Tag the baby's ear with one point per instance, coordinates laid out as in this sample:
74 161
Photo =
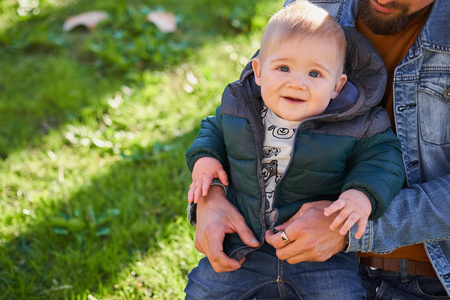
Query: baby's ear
339 85
256 65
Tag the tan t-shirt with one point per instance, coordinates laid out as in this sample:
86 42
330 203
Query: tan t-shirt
392 49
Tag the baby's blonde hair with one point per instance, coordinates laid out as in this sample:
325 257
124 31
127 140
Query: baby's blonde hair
301 19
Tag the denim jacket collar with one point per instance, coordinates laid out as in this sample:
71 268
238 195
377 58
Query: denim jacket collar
432 37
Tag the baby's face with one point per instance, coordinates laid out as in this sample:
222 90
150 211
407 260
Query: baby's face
299 76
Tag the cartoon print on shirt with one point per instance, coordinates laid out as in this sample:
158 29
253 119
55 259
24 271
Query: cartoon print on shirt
269 170
264 111
269 196
271 151
281 132
277 178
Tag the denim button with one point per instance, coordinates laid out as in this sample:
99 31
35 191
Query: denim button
447 94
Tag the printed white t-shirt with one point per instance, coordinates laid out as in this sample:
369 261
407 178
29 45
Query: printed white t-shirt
279 139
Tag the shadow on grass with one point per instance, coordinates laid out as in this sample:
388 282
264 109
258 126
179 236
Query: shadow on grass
43 85
41 93
150 196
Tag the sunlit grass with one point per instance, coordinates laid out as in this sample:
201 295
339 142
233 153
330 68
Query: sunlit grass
126 152
107 156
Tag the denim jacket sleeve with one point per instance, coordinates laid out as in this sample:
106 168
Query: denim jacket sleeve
402 225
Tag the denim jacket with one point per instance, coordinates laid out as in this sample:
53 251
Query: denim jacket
421 85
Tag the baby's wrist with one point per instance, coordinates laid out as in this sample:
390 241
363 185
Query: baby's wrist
217 182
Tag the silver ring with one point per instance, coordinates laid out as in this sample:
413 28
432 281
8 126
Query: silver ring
284 236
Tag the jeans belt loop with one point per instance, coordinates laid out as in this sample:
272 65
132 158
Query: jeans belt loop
403 264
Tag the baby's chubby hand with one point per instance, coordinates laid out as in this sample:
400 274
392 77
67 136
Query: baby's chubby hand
205 170
354 206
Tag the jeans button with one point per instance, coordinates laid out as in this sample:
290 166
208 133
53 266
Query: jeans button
447 94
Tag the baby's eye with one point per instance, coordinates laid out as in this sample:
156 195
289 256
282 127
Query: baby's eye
314 74
284 69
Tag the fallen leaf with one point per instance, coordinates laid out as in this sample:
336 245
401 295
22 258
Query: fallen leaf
165 22
88 19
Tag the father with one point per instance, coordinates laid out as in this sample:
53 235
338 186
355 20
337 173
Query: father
413 38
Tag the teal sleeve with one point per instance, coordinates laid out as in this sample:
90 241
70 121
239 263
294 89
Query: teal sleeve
376 168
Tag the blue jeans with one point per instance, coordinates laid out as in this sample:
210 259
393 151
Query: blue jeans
396 286
264 276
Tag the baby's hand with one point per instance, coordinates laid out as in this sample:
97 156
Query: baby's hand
354 207
205 169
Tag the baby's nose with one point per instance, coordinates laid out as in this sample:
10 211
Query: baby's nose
298 82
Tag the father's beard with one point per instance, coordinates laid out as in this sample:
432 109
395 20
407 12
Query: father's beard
386 24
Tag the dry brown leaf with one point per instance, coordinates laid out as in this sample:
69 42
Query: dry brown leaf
165 22
88 19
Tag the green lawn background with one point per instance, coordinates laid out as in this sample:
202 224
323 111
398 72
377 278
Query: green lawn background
94 125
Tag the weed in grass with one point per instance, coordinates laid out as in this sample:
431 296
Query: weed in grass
127 42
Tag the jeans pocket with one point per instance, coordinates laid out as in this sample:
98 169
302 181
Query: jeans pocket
430 288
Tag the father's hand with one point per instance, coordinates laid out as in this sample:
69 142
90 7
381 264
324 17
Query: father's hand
310 237
216 216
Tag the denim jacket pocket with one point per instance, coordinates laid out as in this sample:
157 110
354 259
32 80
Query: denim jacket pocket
434 108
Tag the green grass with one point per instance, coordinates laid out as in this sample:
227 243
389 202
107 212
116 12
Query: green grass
92 174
